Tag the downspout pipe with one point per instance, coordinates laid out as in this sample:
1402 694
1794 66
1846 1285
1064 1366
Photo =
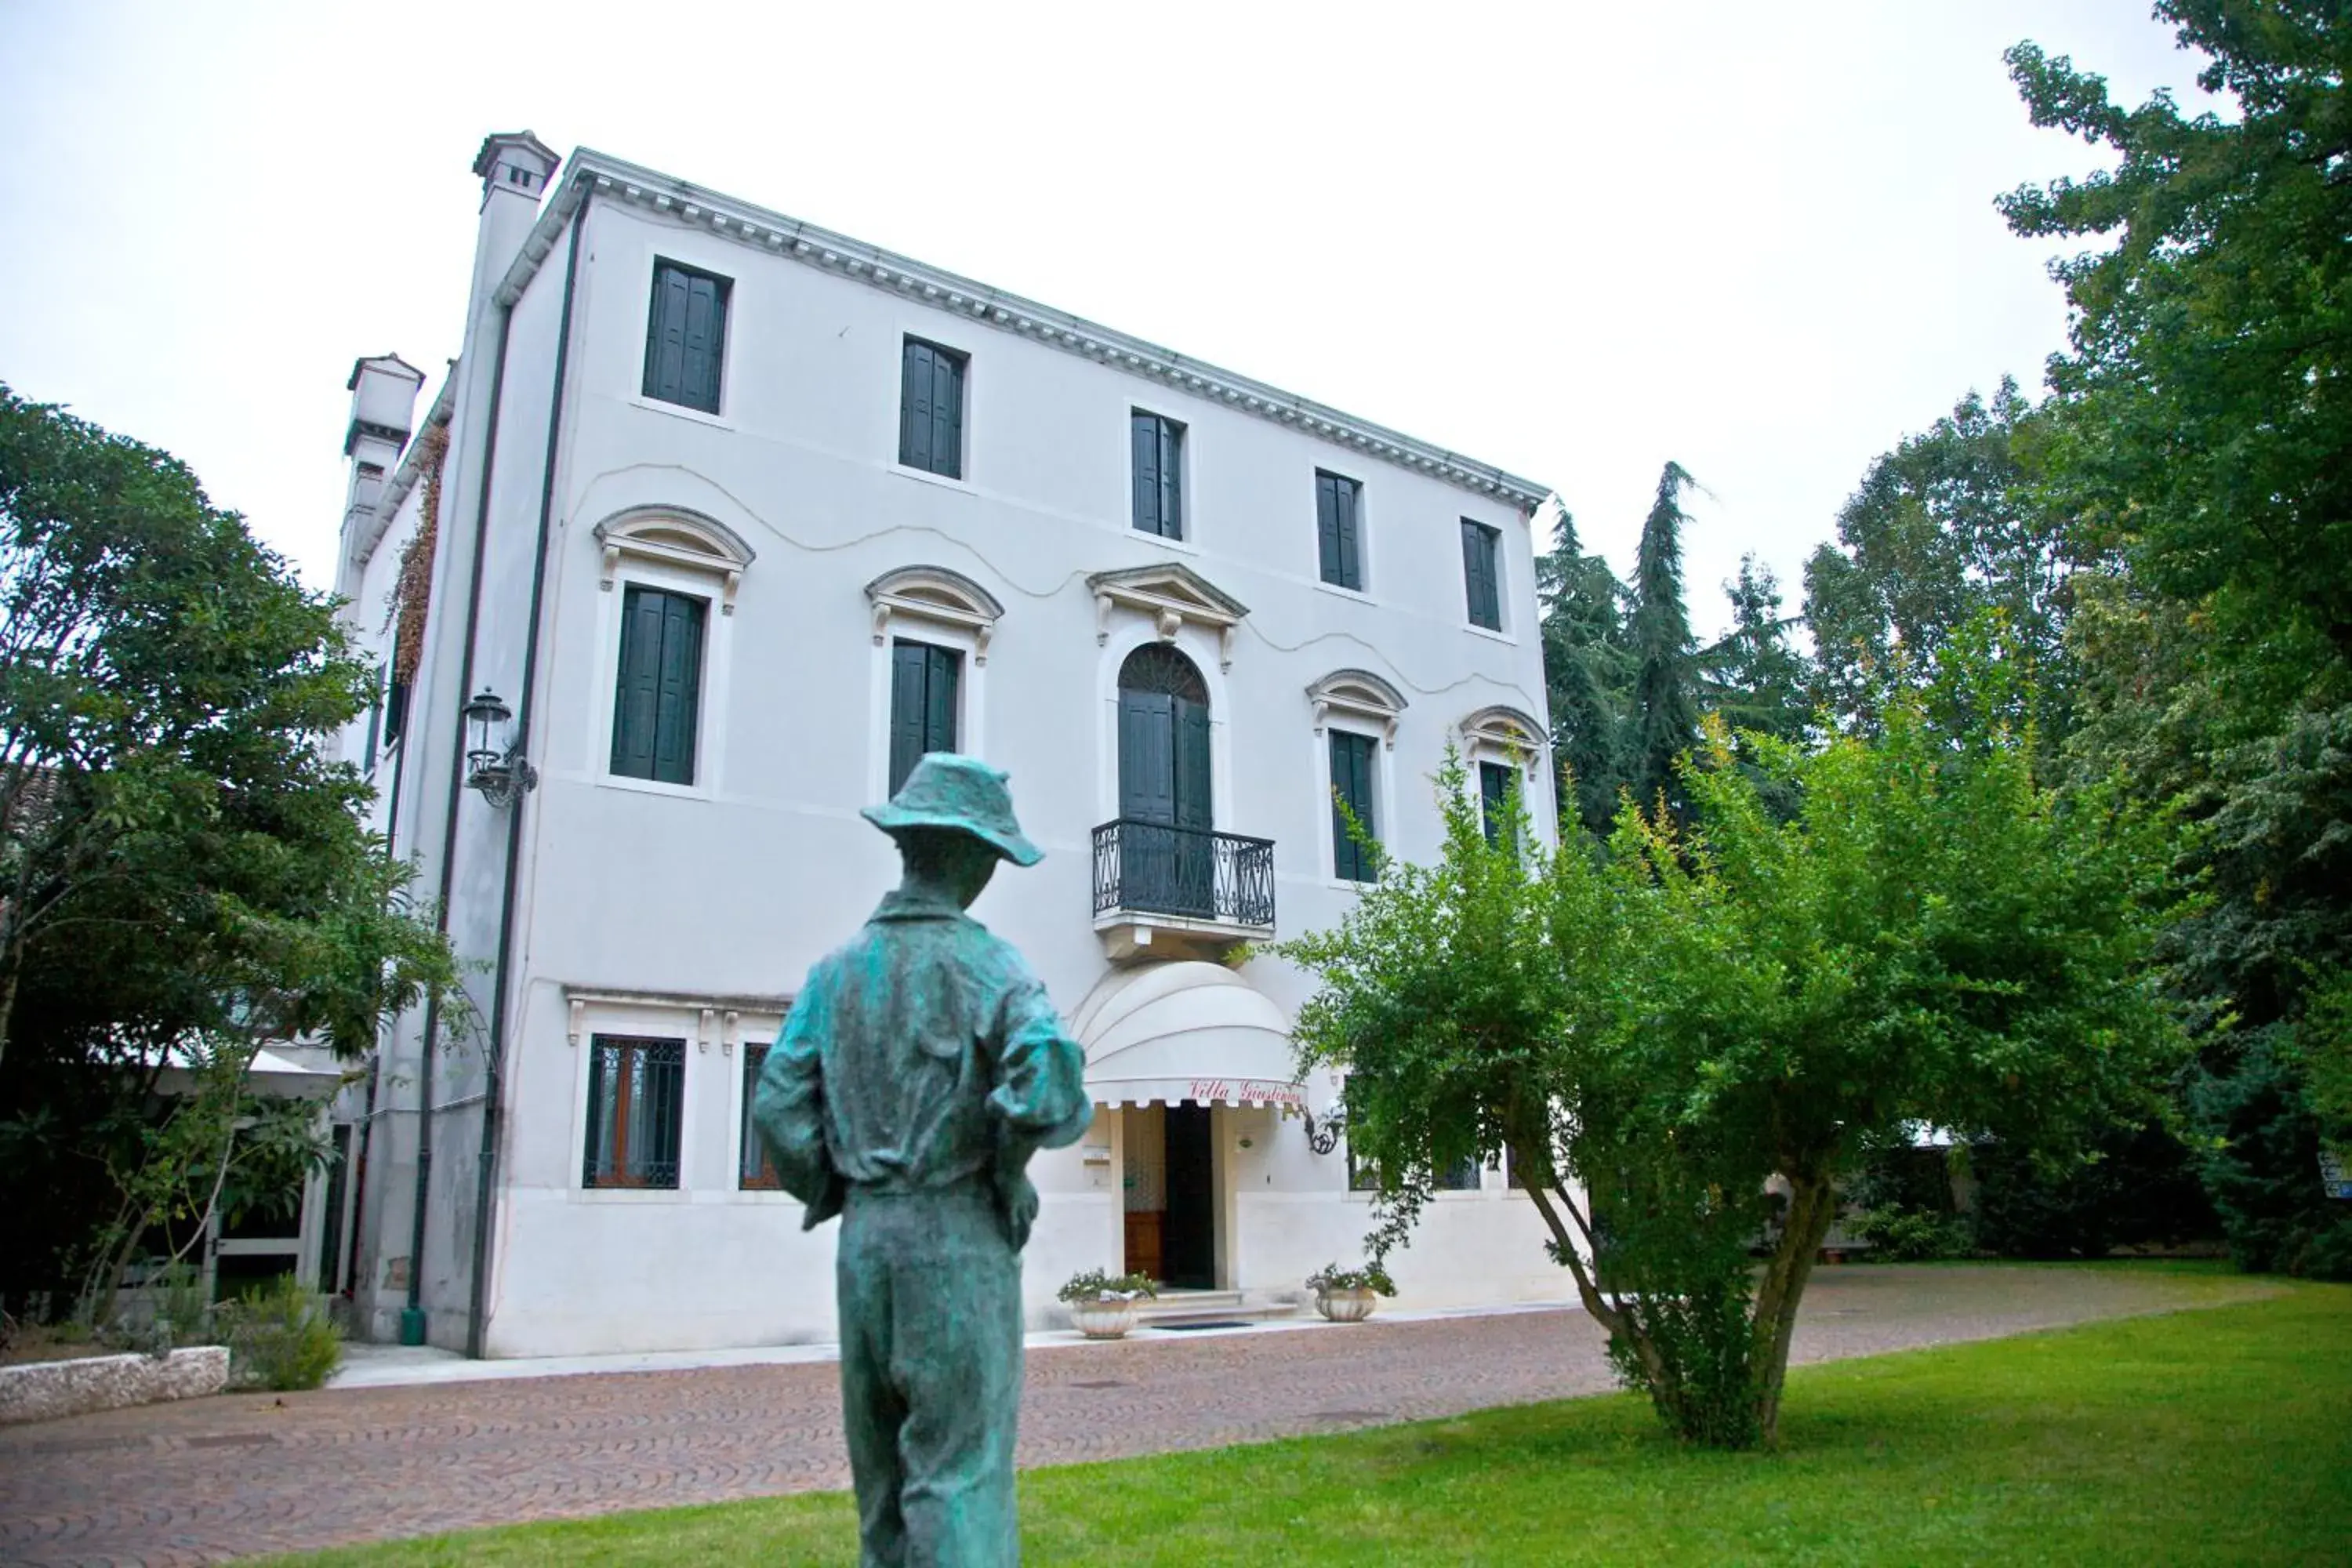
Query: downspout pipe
412 1318
494 1060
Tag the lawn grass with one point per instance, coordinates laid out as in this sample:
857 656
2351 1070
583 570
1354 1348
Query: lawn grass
2215 1435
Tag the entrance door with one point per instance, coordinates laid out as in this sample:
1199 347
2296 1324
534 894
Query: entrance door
1168 854
1188 1242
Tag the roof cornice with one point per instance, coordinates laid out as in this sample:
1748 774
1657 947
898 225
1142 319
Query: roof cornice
779 235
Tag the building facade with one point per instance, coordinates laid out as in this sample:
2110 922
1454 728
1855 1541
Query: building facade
717 521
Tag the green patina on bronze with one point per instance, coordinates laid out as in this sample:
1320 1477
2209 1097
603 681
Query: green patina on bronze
921 1066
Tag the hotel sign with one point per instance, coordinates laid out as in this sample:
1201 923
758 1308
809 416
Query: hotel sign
1248 1091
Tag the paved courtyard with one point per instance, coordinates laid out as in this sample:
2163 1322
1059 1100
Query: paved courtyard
211 1479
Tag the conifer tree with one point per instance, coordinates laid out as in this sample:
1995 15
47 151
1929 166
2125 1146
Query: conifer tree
1588 674
1664 712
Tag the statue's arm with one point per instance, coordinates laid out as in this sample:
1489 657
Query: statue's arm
788 1108
1041 1072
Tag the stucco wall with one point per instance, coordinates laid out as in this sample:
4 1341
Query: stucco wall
732 887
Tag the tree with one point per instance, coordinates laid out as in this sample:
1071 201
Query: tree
1753 677
183 867
2209 381
1656 1036
1588 671
1947 526
1664 709
2202 436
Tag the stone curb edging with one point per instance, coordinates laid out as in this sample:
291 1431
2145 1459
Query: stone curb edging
45 1390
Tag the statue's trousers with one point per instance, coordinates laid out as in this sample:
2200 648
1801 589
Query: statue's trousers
931 1375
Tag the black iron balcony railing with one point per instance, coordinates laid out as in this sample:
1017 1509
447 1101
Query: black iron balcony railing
1152 867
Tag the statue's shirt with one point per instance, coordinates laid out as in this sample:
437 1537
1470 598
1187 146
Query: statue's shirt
923 1053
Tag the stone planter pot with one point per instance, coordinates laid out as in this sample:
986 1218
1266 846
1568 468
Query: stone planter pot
1102 1319
1347 1306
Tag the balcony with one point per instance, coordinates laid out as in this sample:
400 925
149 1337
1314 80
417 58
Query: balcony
1162 891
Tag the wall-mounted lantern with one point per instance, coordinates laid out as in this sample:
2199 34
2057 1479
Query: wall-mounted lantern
494 765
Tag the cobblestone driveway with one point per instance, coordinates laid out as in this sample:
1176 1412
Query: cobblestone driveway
214 1479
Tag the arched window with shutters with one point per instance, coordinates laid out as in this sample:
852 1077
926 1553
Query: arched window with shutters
1165 803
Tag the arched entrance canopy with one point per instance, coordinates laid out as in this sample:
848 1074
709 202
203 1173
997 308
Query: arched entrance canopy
1175 1032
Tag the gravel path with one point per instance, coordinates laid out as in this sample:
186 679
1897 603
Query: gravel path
211 1479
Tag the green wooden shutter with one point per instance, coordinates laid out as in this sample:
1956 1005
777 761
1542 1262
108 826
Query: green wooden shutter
1147 756
942 673
1145 428
1326 526
946 414
1352 780
1193 805
1493 790
680 690
659 686
1171 479
1478 575
706 338
915 404
907 670
637 700
1349 495
924 683
665 335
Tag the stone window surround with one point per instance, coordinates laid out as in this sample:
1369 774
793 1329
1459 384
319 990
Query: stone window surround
711 1025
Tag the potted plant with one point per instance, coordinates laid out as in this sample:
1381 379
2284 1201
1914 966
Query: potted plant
1349 1295
1102 1306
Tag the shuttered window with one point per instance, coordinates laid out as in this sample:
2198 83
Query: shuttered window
686 336
1495 782
1351 783
1479 575
1337 505
930 408
754 1171
660 689
923 683
636 1110
1159 455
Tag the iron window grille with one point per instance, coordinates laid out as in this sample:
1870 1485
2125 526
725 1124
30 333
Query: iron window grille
636 1105
754 1172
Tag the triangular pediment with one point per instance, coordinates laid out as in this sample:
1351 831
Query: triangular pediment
1174 586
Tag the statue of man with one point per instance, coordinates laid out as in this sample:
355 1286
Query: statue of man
921 1066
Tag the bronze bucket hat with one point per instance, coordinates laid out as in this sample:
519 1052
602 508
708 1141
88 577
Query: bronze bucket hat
960 792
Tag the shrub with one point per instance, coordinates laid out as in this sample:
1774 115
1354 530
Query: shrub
280 1336
1371 1276
1914 1236
1094 1285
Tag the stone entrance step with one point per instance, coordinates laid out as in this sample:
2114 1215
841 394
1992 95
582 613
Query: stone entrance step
1178 1309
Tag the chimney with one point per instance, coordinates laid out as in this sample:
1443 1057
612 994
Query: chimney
383 408
514 167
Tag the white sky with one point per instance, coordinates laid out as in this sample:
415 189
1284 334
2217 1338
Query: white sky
1572 239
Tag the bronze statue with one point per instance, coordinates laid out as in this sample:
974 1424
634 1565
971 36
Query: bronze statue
921 1066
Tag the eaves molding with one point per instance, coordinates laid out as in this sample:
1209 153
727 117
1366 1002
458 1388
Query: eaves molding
762 229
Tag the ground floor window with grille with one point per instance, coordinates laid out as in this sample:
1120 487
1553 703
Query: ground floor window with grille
636 1105
1462 1176
754 1171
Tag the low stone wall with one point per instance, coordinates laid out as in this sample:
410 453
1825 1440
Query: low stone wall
44 1390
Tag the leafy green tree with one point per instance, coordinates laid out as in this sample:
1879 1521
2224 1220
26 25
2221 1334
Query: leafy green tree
182 869
1654 1035
2210 382
1665 709
1946 527
1588 670
2202 436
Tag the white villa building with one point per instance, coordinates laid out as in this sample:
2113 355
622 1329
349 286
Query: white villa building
735 517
